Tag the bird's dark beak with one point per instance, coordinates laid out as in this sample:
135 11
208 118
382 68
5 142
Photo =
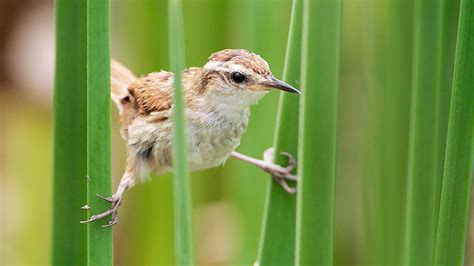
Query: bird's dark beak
278 84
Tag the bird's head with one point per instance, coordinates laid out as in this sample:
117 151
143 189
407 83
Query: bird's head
239 78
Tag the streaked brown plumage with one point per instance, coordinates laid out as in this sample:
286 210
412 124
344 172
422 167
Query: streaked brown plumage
217 98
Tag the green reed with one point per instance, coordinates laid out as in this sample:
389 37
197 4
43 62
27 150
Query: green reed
100 244
317 132
457 178
182 185
70 134
277 243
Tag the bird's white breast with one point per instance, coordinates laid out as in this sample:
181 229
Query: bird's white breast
211 137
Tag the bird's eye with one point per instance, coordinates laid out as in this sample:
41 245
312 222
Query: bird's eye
238 77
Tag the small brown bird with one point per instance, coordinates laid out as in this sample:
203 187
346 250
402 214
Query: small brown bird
217 98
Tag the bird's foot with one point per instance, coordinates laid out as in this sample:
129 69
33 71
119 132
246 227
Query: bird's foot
280 174
112 211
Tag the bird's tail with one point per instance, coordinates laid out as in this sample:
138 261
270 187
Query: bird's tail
121 78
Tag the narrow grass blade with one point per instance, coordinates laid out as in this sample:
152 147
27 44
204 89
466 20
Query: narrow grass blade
449 11
457 179
317 147
100 245
277 243
182 185
424 149
70 135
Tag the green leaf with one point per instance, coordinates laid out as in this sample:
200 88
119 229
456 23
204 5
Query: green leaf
100 244
70 134
277 243
423 175
182 185
457 178
317 132
449 13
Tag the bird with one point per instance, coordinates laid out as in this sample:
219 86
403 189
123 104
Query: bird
217 101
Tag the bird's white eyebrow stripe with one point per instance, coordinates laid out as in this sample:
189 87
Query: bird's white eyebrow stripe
212 65
225 66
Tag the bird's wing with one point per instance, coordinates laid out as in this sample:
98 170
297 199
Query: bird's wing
152 93
151 96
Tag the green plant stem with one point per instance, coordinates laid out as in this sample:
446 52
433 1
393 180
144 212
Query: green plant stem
182 185
424 132
100 244
277 243
69 245
317 147
457 179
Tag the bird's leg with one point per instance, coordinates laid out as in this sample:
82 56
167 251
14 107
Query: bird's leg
127 181
280 174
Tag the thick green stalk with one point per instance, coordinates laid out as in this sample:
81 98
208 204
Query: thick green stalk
317 147
100 244
70 135
277 243
423 155
457 179
182 185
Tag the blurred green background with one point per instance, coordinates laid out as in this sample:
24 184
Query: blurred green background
228 201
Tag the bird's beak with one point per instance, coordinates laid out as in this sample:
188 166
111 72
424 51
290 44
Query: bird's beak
278 84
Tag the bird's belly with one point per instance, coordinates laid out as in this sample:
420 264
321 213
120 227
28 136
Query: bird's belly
210 147
209 142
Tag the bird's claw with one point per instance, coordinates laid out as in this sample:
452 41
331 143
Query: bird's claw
112 211
282 182
291 161
108 199
279 173
112 222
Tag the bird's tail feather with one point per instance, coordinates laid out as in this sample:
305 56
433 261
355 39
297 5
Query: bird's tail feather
121 78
